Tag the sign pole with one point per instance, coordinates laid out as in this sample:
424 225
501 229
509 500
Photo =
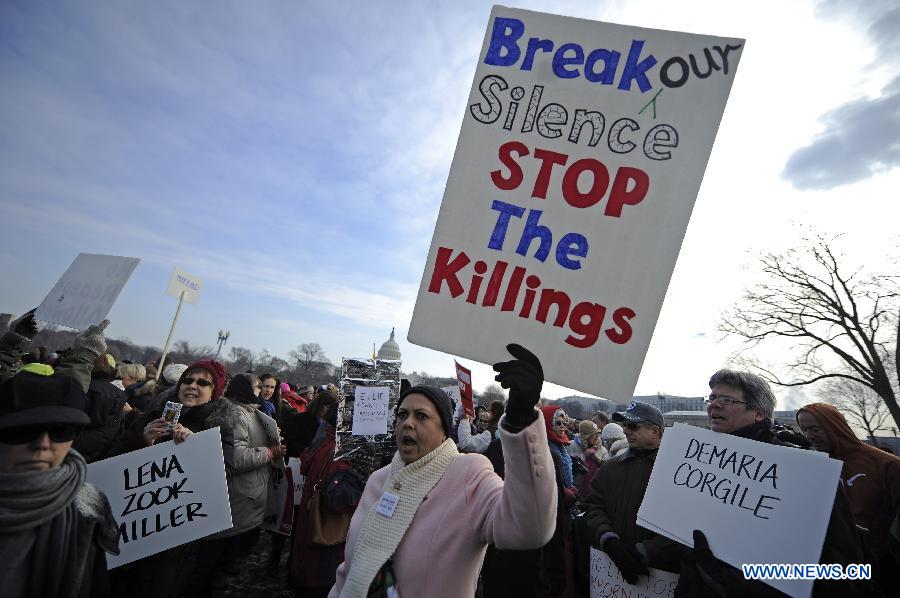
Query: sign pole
162 359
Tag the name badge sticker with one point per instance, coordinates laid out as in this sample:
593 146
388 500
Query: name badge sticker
387 504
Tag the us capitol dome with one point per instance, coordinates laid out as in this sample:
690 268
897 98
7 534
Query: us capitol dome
390 349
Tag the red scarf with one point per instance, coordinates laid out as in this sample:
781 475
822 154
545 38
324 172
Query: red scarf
552 436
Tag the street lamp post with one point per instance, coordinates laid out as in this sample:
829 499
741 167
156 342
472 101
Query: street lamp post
223 338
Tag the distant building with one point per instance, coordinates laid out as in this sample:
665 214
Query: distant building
666 403
390 349
890 442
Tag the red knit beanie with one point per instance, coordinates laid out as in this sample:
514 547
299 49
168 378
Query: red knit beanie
215 369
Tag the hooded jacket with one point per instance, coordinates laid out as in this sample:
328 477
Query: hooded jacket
871 477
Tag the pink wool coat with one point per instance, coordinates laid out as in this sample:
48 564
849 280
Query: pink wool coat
470 507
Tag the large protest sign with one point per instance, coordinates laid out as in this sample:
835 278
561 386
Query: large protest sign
741 494
87 290
165 495
580 155
182 282
607 581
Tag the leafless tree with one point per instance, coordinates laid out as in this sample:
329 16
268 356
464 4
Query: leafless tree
491 393
861 405
241 359
308 358
811 302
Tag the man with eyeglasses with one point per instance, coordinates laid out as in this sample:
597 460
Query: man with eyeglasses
742 404
616 493
54 528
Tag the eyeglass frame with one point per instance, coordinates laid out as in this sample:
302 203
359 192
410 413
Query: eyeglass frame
724 400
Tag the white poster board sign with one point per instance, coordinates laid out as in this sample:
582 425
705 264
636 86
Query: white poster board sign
87 290
282 520
165 495
607 581
580 155
741 493
298 479
189 284
454 394
370 410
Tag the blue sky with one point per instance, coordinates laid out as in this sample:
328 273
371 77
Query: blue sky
293 155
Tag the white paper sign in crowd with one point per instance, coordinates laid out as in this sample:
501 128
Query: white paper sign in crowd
182 282
165 495
580 155
741 494
370 410
87 290
607 581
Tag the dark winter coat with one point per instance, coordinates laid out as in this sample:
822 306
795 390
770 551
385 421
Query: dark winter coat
842 545
168 573
298 431
529 573
611 506
104 404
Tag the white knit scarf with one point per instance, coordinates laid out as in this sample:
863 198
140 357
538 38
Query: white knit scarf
380 535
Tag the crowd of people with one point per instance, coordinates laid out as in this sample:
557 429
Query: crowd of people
506 501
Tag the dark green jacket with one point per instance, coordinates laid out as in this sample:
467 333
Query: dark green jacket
612 503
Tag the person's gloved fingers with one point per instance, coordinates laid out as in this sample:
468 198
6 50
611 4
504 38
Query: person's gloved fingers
701 544
102 325
505 366
524 355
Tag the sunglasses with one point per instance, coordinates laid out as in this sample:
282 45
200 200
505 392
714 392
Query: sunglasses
57 433
632 426
200 382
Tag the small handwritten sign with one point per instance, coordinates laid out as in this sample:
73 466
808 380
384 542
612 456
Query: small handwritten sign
607 581
165 495
370 410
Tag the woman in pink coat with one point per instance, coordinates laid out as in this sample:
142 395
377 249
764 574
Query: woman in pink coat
425 520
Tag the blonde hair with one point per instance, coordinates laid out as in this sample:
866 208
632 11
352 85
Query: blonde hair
132 370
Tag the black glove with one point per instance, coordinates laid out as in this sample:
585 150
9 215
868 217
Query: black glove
721 578
627 559
25 325
524 377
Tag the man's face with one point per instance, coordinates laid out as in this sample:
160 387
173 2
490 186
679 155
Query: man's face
642 435
728 411
484 422
814 432
600 423
267 388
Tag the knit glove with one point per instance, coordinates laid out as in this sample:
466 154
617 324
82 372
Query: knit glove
91 339
25 325
524 377
627 559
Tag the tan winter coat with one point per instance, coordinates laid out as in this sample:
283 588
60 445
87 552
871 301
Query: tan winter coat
251 483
